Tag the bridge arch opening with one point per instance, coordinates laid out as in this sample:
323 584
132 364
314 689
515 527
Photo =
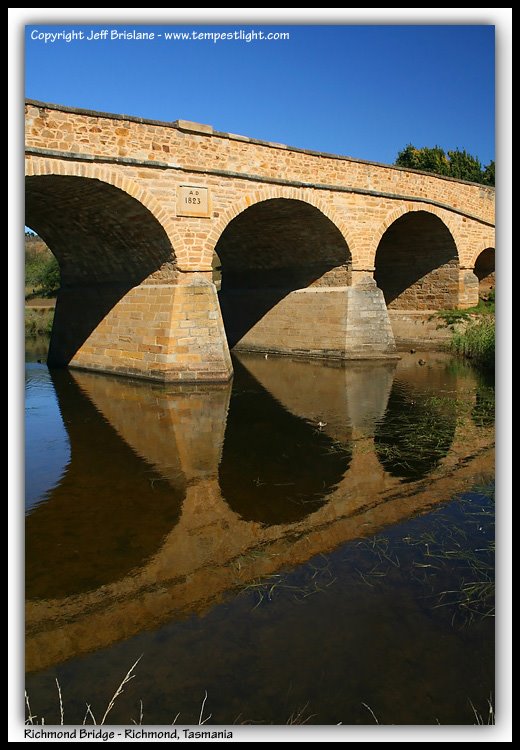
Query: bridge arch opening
485 271
268 253
417 263
106 243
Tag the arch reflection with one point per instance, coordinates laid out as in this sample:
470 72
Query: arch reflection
177 434
110 510
276 468
418 427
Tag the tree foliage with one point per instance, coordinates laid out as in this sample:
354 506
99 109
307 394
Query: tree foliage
42 271
50 278
457 163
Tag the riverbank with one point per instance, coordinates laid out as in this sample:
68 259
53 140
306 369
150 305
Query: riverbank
38 320
477 341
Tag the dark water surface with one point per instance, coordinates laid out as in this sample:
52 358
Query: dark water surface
302 544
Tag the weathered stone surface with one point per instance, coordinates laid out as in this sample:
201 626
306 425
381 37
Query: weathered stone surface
295 230
193 127
168 333
421 329
368 331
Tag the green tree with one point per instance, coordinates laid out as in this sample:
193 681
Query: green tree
457 163
426 159
463 166
50 278
489 174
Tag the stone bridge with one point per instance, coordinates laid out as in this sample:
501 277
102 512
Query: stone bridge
309 250
205 528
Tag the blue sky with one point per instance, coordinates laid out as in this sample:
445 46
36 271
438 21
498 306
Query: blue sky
363 91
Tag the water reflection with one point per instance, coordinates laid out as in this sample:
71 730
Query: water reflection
484 410
107 514
416 433
276 467
46 441
37 348
174 496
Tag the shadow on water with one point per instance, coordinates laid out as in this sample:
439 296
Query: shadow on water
276 467
253 554
108 512
415 434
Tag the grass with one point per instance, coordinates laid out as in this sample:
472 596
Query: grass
317 578
489 718
300 716
38 322
473 331
453 562
477 342
33 720
485 307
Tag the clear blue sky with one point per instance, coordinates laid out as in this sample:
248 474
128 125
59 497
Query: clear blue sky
363 91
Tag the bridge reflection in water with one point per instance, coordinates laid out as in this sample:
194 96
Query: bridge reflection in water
173 497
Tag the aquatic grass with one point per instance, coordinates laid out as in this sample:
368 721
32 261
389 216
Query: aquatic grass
416 434
455 573
448 551
317 579
477 342
299 716
266 587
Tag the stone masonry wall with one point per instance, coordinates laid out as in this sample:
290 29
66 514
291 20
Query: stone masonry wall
159 332
333 322
194 145
151 160
137 297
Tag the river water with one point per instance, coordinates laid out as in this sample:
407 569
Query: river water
311 543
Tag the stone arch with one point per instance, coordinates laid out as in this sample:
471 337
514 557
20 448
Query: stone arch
487 244
416 259
273 253
40 167
279 192
484 270
108 243
98 232
407 208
